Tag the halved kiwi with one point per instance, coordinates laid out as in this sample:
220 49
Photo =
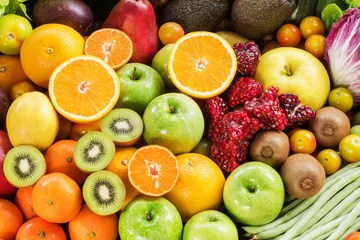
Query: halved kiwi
94 151
24 165
104 192
124 125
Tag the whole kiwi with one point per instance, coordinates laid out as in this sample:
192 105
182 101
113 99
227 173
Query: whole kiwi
271 147
329 126
303 175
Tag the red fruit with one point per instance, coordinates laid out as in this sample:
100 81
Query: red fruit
247 55
4 105
6 189
215 110
267 110
242 90
138 20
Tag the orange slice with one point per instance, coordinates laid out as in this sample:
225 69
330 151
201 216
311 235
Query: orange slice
153 170
83 89
111 45
202 64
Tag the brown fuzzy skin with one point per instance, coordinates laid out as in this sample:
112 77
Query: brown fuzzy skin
329 126
303 175
271 147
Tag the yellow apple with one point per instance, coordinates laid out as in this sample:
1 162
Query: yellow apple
295 71
232 37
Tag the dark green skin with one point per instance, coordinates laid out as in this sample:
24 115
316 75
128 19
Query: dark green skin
257 19
204 15
74 13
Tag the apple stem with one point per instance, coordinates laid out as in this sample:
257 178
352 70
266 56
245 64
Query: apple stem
287 69
172 109
212 219
148 217
134 74
252 189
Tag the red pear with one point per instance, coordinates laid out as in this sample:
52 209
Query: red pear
6 189
137 19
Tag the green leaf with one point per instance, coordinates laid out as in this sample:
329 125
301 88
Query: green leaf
13 6
22 11
330 15
2 11
21 1
4 3
353 3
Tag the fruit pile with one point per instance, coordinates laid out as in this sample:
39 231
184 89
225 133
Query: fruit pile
175 119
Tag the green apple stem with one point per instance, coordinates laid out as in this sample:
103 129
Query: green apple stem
252 189
212 219
134 74
287 69
148 216
172 109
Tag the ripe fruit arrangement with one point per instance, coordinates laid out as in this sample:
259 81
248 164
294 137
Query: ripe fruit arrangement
138 119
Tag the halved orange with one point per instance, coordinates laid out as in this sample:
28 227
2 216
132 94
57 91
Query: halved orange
153 170
84 88
111 45
202 64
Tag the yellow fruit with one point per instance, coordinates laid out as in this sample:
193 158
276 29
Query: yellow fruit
232 37
31 119
199 186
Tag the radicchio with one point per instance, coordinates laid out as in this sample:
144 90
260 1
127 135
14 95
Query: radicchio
342 52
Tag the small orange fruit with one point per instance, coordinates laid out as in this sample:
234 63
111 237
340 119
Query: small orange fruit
59 157
40 229
199 187
11 72
84 88
119 166
56 198
24 202
79 129
153 170
202 64
111 45
11 219
20 88
46 47
65 127
89 226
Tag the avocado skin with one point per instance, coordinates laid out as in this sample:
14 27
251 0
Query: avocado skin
194 15
73 13
256 19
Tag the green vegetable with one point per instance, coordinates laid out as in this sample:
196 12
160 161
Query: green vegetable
303 9
321 4
13 7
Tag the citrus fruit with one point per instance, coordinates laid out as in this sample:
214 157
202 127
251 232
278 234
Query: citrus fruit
56 198
111 45
14 29
40 229
119 166
65 127
79 129
199 187
89 226
24 202
59 157
11 219
32 120
46 47
20 88
84 88
153 170
11 72
170 32
202 64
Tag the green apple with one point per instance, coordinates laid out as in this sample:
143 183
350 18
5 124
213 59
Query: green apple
160 64
139 84
254 193
150 218
175 121
210 225
295 71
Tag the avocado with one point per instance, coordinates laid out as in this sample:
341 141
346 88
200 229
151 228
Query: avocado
202 15
73 13
255 19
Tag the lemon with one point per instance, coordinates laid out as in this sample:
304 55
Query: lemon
32 119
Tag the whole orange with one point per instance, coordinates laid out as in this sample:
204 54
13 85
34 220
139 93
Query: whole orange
11 72
199 186
11 219
46 47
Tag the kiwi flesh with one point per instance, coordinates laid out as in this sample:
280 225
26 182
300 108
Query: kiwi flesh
104 192
303 175
24 165
94 151
271 147
125 126
329 126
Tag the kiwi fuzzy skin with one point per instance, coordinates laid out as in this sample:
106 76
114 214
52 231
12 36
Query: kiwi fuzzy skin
330 126
303 175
